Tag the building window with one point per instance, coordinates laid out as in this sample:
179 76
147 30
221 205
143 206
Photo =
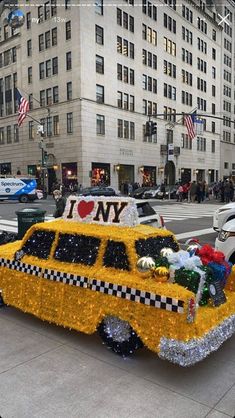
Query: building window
131 103
42 98
99 35
47 39
119 99
67 4
126 129
30 102
16 133
9 135
99 93
132 131
213 72
132 77
29 48
30 75
201 144
41 71
100 125
28 20
56 126
2 140
55 94
119 17
40 14
48 68
54 37
41 42
213 108
55 65
119 72
69 90
99 64
125 74
226 165
48 97
31 130
99 7
49 126
68 60
70 123
53 8
68 30
120 128
47 10
213 127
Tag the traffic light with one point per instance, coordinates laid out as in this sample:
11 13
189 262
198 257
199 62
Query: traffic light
153 128
45 156
150 128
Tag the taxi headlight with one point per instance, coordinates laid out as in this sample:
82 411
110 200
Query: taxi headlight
224 235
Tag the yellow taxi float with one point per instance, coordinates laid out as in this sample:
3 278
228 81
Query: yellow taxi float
95 269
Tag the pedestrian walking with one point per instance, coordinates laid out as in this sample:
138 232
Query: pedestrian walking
193 191
227 191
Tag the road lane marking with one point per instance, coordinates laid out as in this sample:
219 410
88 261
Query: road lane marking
192 234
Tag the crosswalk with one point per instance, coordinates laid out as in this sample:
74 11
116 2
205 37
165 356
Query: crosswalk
12 225
182 211
171 212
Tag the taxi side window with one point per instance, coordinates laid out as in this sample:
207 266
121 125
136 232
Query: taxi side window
151 247
39 244
115 256
73 248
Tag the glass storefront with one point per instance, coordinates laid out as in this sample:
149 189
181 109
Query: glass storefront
100 174
125 177
69 175
149 175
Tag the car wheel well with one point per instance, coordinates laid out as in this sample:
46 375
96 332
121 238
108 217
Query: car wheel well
230 218
232 258
119 336
23 198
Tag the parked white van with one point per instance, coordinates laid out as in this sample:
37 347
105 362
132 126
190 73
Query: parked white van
18 188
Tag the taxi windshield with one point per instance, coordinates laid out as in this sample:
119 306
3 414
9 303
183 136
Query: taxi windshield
151 247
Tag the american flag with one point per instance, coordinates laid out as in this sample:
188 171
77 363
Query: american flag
23 107
189 123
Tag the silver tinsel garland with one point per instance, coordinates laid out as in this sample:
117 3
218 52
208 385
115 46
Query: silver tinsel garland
188 353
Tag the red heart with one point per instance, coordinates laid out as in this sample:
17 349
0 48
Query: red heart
85 208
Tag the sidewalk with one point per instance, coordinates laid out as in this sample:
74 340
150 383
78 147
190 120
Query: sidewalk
51 372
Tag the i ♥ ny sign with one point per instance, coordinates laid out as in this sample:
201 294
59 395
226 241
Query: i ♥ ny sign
102 210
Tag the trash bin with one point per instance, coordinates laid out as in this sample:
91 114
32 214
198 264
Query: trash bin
28 217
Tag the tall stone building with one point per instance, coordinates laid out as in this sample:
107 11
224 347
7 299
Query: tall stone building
94 74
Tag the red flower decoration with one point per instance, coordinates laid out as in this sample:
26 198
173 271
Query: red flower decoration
208 254
218 257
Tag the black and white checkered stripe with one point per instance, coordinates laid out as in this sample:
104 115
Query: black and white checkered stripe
136 295
120 291
23 267
66 278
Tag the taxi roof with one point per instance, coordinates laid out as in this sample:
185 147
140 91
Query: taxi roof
117 232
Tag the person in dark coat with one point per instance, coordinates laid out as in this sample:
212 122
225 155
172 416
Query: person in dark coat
60 203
